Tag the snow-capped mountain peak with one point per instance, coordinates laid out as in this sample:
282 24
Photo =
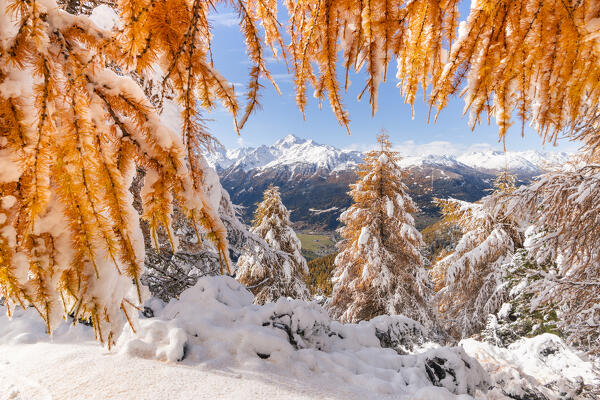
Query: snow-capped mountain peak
528 161
432 160
292 150
314 178
288 151
289 141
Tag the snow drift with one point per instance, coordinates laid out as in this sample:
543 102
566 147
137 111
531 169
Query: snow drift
214 327
387 356
298 340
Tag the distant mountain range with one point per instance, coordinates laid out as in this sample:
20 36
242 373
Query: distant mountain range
314 178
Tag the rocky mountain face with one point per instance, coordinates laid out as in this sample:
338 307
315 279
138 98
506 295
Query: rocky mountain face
314 178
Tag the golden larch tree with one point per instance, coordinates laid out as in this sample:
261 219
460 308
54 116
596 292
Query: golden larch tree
74 125
539 60
380 269
73 128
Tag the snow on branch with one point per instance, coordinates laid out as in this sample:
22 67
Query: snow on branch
564 208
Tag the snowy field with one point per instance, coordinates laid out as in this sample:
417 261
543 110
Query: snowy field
214 343
86 371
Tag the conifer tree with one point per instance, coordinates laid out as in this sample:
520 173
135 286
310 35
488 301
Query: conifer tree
379 269
268 277
470 278
73 124
564 208
320 270
516 318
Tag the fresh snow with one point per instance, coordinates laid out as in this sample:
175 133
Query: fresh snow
104 17
46 371
364 236
533 366
229 348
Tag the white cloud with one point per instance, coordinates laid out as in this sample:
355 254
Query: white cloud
438 148
282 77
358 147
224 19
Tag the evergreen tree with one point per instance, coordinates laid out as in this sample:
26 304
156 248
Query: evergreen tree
268 277
516 318
564 207
379 269
470 278
320 270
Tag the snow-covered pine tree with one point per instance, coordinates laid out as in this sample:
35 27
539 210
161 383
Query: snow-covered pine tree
268 277
564 206
379 269
516 318
470 278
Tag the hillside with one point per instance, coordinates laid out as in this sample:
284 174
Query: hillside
319 279
315 245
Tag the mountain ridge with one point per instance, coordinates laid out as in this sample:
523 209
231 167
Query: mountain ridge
291 150
314 178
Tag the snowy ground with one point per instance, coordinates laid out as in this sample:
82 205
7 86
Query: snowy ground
44 371
229 348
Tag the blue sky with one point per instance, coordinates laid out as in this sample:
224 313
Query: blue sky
279 115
